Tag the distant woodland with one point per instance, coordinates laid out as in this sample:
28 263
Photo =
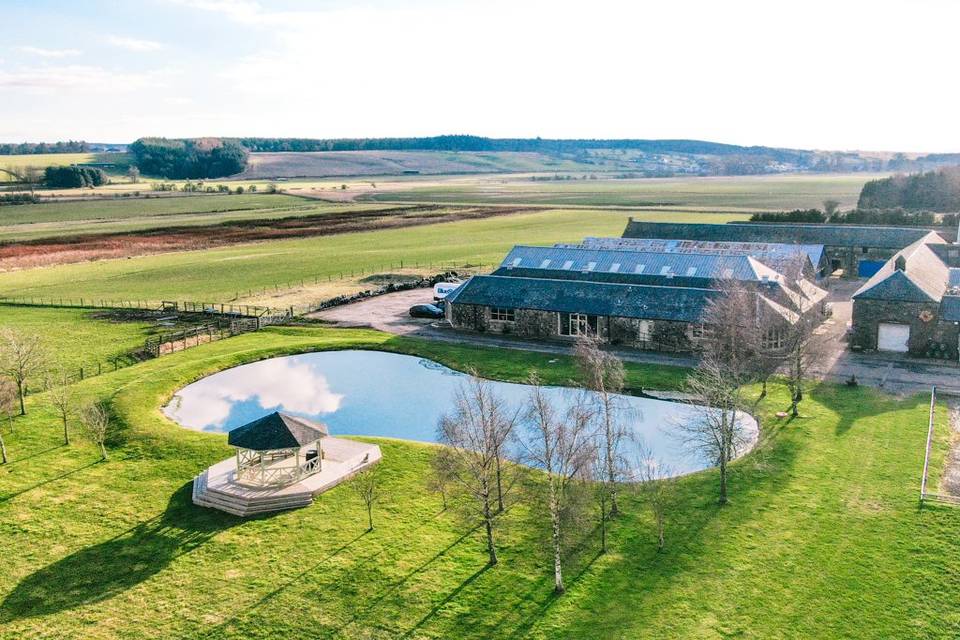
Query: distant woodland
32 148
188 159
937 191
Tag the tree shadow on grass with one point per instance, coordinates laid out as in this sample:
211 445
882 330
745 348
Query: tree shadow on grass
104 570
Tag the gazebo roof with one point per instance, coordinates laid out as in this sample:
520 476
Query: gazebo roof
277 431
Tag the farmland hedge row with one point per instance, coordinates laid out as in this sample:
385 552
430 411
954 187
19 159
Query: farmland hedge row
71 177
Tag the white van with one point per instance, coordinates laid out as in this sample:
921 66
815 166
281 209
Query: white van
442 289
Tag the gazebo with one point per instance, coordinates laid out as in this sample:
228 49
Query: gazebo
277 450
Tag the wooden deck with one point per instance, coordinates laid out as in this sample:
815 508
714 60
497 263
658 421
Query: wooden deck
216 487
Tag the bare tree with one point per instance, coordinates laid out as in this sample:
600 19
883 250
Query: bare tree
803 347
601 490
21 357
716 431
8 403
95 419
62 398
365 484
604 376
476 433
658 484
439 481
562 445
830 207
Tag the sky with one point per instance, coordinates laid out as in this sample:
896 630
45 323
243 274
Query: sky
812 74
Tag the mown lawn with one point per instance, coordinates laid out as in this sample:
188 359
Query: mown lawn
77 337
221 274
823 538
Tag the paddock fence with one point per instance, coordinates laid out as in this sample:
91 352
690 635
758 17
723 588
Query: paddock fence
926 495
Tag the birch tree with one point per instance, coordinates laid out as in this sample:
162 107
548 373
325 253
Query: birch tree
476 434
21 358
715 431
8 403
62 399
365 484
603 375
802 348
95 420
562 444
657 484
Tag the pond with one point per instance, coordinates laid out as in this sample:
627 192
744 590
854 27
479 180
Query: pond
374 393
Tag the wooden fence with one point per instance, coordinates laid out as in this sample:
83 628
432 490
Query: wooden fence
217 308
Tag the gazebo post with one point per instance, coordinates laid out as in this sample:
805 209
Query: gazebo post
238 463
319 455
297 475
262 471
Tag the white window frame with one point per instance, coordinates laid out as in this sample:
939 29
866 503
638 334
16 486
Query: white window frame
773 339
503 314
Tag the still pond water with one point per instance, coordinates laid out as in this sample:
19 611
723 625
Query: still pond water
373 393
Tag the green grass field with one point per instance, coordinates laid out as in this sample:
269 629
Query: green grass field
59 219
746 193
76 337
823 537
218 274
44 160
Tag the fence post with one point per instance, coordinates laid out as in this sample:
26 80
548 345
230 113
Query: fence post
926 456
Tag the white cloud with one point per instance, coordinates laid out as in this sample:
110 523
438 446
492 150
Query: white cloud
134 44
239 10
49 53
78 77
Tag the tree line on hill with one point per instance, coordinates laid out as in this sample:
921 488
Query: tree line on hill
937 191
33 148
190 158
924 199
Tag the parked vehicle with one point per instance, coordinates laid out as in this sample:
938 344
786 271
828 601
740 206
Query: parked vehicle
430 311
442 289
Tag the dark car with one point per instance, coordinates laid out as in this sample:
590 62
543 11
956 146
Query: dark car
426 311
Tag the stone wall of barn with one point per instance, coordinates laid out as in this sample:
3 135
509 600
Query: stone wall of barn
929 337
545 325
848 258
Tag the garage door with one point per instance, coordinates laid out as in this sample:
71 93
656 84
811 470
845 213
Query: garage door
893 337
866 268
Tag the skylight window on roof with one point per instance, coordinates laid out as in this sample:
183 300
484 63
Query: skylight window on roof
567 264
516 262
615 267
728 273
665 270
691 271
640 268
545 263
591 266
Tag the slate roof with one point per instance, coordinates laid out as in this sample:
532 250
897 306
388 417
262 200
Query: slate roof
638 262
595 298
831 235
950 308
773 254
277 431
924 278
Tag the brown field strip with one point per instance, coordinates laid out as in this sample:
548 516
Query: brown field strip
63 250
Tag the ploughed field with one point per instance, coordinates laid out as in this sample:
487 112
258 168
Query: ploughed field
305 222
823 537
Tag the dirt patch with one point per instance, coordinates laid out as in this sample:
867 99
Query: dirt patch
55 251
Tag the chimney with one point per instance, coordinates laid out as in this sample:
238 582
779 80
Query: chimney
900 264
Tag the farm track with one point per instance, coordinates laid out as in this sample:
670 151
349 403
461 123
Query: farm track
69 249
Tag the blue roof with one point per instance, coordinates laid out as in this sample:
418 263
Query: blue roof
689 265
594 298
771 253
950 308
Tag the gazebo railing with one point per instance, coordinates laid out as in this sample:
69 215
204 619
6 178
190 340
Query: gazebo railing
262 469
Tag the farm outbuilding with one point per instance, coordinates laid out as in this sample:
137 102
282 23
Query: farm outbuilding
642 299
855 250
